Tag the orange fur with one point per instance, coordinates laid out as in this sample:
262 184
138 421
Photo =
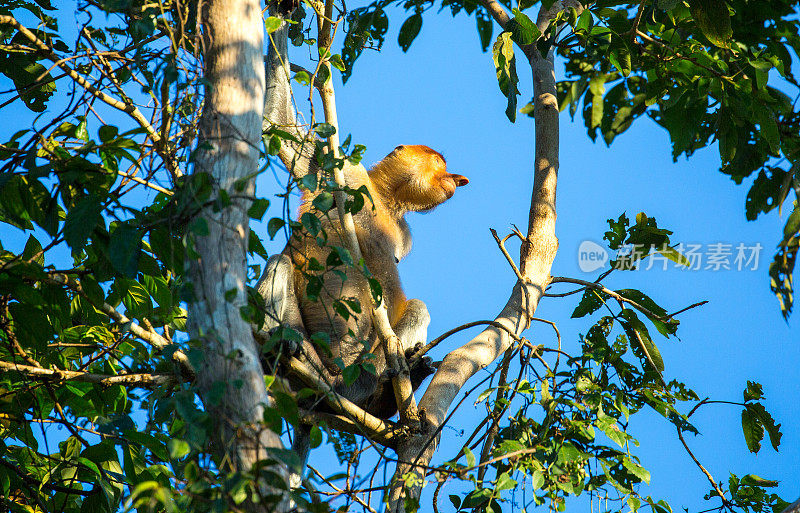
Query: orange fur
411 178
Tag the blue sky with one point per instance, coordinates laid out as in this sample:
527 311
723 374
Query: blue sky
443 93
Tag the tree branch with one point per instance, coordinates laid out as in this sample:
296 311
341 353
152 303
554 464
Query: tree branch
279 113
130 380
496 10
374 428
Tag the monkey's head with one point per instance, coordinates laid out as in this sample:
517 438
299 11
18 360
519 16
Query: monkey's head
415 178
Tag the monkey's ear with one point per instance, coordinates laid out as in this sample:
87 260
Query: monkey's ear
399 148
459 180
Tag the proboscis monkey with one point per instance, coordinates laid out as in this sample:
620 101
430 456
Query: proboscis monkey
412 178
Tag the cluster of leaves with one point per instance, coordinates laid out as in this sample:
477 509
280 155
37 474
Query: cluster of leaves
569 434
707 72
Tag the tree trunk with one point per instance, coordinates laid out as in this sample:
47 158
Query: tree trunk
230 378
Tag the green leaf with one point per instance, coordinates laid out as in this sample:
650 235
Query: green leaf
302 77
177 448
635 327
485 27
315 437
753 391
714 20
409 31
455 500
137 300
470 457
376 290
81 221
504 482
621 59
506 70
274 225
311 223
323 201
590 302
768 126
33 248
273 144
258 208
149 442
337 62
792 226
26 73
756 419
537 480
642 299
324 130
752 429
523 30
107 132
636 470
351 374
754 480
272 24
676 256
124 249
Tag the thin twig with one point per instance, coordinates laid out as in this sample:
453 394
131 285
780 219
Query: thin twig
714 484
635 28
615 295
353 495
501 245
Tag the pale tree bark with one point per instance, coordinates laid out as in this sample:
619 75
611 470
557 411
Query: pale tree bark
793 507
230 377
536 259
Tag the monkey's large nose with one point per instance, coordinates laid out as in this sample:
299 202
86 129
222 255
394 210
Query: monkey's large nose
459 180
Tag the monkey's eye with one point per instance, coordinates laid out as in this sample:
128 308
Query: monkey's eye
396 259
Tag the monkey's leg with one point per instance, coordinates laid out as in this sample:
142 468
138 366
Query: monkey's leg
282 308
412 328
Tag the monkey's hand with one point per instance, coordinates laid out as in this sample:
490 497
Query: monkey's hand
421 368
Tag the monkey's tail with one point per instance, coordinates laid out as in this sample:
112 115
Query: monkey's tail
301 445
